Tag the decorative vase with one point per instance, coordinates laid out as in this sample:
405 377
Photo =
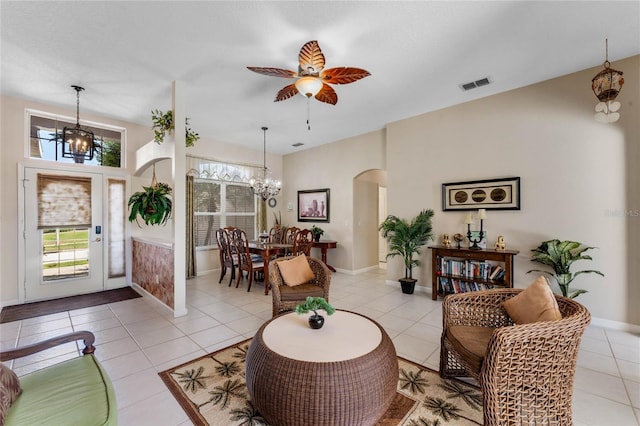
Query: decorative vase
316 237
316 321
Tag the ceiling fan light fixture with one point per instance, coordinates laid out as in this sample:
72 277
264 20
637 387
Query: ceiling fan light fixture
308 86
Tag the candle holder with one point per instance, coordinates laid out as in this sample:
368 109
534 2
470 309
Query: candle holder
482 214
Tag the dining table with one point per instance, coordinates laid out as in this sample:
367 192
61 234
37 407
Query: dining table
268 251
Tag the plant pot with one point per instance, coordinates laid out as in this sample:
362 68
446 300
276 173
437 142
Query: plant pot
316 237
408 285
316 321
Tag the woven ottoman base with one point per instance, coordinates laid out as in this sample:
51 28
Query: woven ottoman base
352 392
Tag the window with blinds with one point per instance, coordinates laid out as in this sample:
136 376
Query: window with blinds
64 202
116 227
221 204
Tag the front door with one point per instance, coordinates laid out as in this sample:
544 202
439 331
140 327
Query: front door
63 233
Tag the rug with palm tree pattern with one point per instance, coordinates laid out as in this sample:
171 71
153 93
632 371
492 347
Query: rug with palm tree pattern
212 391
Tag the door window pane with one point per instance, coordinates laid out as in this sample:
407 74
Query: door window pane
65 253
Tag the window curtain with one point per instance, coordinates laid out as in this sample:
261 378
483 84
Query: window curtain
191 269
64 201
262 215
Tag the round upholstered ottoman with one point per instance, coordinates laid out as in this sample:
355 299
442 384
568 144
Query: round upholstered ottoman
345 373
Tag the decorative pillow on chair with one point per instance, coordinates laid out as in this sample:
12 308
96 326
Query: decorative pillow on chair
536 303
9 390
296 271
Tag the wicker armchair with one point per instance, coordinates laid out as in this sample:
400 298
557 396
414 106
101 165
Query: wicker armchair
286 298
526 373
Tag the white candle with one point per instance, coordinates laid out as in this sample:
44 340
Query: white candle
482 214
468 220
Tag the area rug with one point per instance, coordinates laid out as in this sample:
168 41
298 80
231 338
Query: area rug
46 307
212 391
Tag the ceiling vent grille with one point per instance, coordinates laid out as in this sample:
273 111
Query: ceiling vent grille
475 84
297 144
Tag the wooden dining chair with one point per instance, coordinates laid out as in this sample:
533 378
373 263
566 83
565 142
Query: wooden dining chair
289 236
303 242
277 234
227 259
245 261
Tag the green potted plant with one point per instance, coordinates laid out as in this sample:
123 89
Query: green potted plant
152 204
560 255
163 123
314 304
405 239
317 232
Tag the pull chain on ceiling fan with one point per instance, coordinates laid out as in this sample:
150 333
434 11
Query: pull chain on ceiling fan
312 78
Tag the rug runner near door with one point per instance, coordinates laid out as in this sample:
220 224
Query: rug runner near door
212 391
46 307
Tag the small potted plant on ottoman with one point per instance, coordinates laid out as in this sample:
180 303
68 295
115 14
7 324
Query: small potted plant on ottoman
314 304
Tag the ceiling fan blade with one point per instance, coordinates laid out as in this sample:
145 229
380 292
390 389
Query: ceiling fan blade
274 72
343 75
327 95
311 59
286 93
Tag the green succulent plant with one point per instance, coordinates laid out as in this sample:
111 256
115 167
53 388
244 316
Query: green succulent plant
560 255
314 304
163 122
152 205
405 238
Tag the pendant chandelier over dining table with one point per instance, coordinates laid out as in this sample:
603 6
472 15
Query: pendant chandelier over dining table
262 183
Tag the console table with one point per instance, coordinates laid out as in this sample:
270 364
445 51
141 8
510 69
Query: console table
323 245
345 373
503 257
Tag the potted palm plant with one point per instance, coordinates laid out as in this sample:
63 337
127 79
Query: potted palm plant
314 304
560 255
405 239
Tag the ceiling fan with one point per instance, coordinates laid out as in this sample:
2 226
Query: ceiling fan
312 78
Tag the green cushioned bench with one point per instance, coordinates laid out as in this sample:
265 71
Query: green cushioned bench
74 392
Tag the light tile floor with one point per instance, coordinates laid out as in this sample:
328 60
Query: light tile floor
136 339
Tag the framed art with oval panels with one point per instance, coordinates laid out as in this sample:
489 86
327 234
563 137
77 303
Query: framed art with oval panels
494 194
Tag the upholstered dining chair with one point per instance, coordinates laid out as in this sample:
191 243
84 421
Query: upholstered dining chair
525 369
302 242
245 261
227 259
293 278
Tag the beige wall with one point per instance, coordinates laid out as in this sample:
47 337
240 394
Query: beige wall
333 166
578 176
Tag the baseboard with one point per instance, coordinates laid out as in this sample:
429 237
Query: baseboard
615 325
152 298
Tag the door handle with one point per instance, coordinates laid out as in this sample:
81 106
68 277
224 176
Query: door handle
97 240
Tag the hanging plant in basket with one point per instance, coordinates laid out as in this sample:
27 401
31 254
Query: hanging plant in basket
163 123
153 204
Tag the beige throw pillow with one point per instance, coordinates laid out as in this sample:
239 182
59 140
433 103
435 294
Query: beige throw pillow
536 303
296 271
9 390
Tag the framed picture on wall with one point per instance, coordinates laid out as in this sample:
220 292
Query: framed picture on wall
313 205
494 194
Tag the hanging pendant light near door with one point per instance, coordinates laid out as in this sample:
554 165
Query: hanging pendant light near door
606 85
77 143
262 183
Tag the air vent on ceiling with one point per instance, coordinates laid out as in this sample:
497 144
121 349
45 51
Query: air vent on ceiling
297 144
474 84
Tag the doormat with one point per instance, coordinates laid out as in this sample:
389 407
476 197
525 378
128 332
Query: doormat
211 389
46 307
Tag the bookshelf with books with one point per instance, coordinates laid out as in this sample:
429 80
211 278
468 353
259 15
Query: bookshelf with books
462 270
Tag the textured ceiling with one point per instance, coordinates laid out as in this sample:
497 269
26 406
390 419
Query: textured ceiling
126 54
